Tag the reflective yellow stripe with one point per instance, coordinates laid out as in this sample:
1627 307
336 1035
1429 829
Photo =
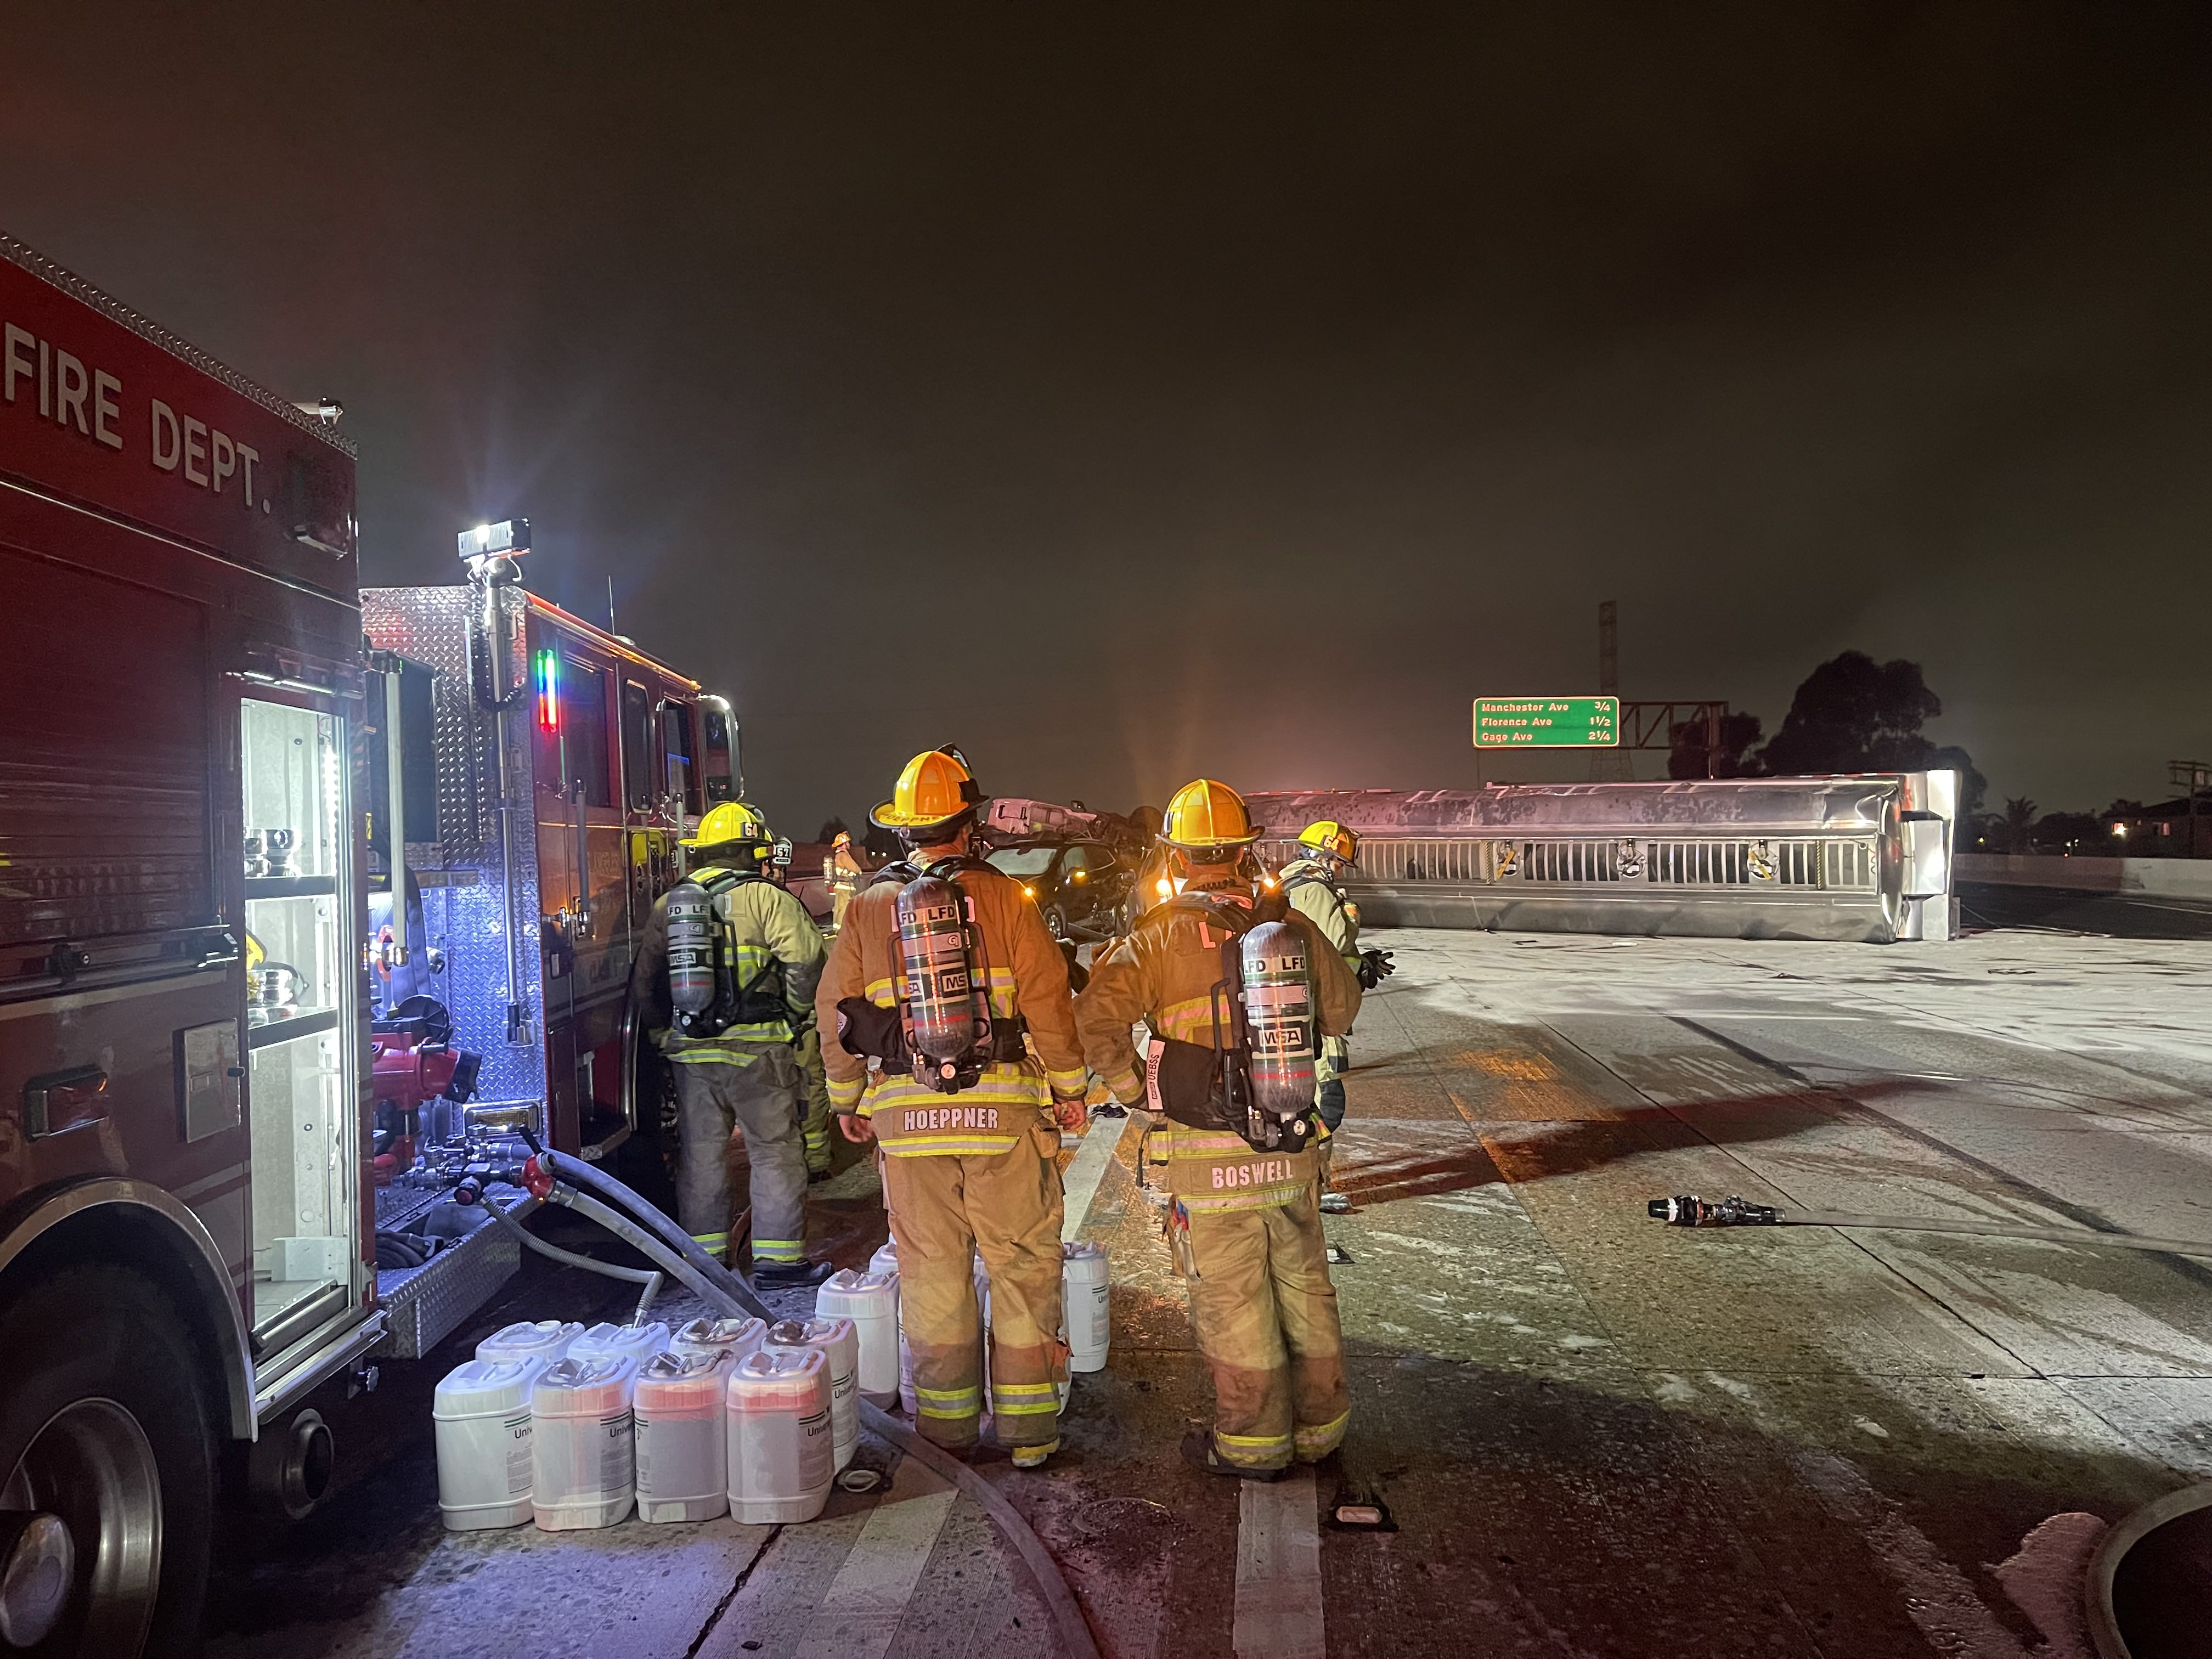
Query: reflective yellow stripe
711 1056
1124 1085
1006 1408
710 1239
1191 1020
929 1147
1321 1441
1204 1143
1024 1398
845 1095
1010 1390
1260 1198
1069 1082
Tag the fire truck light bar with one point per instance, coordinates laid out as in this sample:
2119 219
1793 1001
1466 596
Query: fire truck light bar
549 692
508 536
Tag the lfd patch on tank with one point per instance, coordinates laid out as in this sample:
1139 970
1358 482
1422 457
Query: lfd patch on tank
1263 1172
949 1117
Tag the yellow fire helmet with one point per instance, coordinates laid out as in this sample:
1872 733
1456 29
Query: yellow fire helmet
1330 837
735 821
935 792
1206 814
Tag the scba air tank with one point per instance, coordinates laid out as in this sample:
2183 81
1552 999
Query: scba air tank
940 980
691 956
1278 1009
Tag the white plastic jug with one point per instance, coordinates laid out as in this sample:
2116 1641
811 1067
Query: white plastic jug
582 1461
546 1339
840 1349
482 1414
683 1436
1085 1299
886 1260
638 1342
870 1300
734 1337
782 1442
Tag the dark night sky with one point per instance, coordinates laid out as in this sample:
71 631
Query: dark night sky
1128 393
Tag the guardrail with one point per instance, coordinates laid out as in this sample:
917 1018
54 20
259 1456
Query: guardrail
1861 858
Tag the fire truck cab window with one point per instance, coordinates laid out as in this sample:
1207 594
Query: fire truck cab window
717 769
676 746
638 766
584 730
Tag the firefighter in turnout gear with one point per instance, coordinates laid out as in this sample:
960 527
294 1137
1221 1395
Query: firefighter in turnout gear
730 963
1243 1218
951 1043
843 872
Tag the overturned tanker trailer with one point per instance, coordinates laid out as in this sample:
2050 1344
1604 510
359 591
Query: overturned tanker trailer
1861 858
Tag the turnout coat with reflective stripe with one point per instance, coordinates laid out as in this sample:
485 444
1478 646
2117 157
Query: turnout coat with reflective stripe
1165 973
1027 977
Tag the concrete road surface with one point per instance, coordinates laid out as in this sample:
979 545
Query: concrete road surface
1593 1435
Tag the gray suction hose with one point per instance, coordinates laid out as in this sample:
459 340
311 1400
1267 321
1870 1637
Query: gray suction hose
648 1276
730 1295
577 1172
1075 1638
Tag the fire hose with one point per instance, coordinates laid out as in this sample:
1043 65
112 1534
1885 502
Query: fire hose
1690 1210
549 1176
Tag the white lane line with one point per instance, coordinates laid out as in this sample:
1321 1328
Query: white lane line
1086 1169
861 1611
1278 1612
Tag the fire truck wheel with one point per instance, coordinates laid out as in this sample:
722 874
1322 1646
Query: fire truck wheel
105 1430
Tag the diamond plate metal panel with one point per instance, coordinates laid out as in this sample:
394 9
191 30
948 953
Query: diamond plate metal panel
470 924
424 1306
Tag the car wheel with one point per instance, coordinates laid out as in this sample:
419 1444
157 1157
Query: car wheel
108 1470
1055 922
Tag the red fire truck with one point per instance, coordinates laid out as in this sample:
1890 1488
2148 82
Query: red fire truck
231 1090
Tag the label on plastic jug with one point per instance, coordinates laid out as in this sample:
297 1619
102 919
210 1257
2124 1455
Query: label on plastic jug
617 1452
818 1451
517 1455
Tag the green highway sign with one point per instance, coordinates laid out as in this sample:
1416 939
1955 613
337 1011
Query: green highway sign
1547 722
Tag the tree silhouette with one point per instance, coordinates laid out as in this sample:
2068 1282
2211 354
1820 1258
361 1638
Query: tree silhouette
1855 714
2018 824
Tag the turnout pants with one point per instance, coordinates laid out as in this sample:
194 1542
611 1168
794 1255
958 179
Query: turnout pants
758 1087
816 1123
1007 1207
1266 1315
